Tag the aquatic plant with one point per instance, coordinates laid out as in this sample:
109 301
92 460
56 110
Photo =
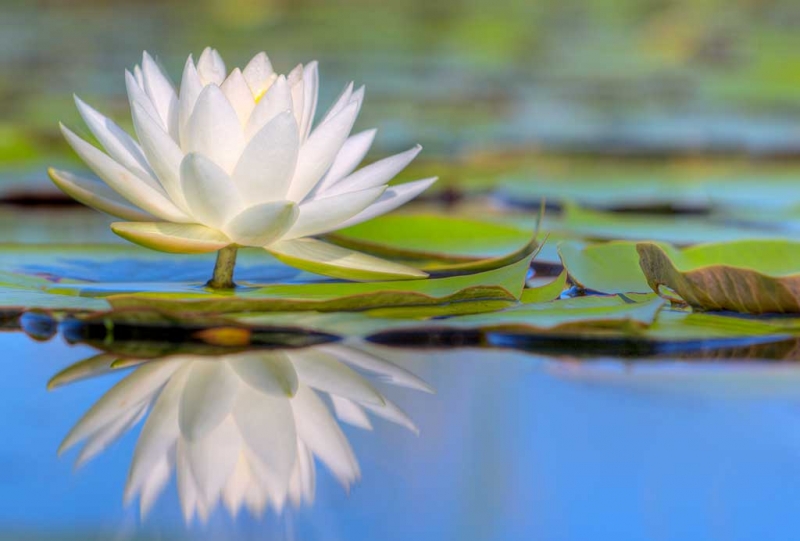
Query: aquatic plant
232 160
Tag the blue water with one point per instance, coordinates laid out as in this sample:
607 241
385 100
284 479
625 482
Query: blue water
511 446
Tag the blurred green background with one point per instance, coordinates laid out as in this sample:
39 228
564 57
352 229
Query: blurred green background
474 81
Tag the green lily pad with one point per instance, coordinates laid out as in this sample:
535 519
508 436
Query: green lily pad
434 237
504 284
611 267
745 276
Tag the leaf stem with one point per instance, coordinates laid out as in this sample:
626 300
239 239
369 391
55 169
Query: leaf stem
223 269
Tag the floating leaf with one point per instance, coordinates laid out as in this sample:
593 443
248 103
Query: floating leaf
745 276
611 267
434 237
546 292
330 260
504 284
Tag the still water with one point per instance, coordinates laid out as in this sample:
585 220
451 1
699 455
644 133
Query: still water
386 443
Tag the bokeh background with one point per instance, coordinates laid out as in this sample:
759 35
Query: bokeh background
472 80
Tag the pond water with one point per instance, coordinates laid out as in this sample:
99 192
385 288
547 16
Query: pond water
493 444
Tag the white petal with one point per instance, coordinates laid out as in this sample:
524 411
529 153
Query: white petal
97 194
214 129
277 100
267 427
172 238
261 224
119 145
317 153
162 152
375 174
266 371
210 67
310 95
140 386
191 86
341 102
392 198
133 188
162 94
330 260
139 76
358 96
209 191
325 214
351 413
352 153
238 93
213 458
325 373
259 74
159 433
207 398
295 81
265 170
320 432
137 93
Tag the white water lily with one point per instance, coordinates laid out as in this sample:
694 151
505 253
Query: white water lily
234 159
243 429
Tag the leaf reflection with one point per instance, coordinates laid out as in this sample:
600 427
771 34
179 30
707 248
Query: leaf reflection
243 430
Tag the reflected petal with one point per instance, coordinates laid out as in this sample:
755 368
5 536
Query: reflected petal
320 432
212 460
325 373
269 372
351 413
207 398
268 429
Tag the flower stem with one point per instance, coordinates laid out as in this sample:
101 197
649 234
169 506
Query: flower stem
223 269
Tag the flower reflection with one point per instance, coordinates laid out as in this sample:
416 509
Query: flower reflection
242 429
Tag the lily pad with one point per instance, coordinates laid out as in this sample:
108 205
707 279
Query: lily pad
504 284
611 267
745 276
433 237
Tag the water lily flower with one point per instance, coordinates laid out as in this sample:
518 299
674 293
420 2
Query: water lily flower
234 159
242 429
